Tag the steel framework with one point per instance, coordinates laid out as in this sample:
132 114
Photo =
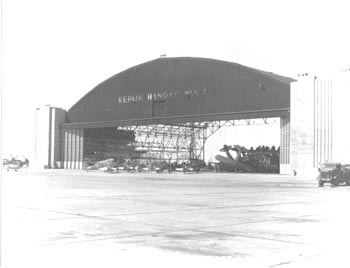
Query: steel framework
180 142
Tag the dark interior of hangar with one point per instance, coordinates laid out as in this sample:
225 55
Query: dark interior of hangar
171 143
103 143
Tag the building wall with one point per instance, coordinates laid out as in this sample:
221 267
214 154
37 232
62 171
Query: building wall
58 116
319 114
323 121
48 137
302 124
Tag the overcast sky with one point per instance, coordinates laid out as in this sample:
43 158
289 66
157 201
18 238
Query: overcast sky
54 52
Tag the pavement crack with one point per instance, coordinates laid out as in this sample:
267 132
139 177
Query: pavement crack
297 260
77 215
209 208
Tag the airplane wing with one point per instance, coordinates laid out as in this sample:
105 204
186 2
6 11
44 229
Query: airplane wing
101 164
232 163
224 160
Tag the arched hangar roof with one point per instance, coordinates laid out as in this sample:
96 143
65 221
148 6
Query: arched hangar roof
184 89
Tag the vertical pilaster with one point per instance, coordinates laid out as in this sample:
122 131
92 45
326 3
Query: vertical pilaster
77 145
73 159
285 145
65 150
69 158
73 148
81 148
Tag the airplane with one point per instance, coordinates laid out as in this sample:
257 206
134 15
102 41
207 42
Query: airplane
233 164
102 165
262 159
14 163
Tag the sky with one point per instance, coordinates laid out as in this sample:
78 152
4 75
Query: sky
54 52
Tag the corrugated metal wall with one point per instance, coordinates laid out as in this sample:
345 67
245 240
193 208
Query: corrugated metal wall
311 123
73 147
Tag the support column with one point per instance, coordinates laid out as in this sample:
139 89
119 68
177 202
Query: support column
65 149
285 146
73 149
81 148
69 149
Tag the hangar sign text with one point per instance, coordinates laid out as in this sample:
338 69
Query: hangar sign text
160 95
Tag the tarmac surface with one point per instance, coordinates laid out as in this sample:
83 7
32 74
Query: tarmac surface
62 218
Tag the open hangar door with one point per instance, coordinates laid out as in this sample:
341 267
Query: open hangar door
253 143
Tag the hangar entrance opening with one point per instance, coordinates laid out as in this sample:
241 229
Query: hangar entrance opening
176 144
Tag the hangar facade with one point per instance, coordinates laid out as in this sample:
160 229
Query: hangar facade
172 105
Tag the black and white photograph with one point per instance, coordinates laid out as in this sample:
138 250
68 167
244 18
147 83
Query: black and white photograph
175 133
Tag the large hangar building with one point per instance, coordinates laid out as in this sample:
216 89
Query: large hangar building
167 108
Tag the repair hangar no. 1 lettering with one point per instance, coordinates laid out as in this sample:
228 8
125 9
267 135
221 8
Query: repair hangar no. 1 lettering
160 95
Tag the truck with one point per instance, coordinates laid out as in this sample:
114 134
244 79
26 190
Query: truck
334 173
